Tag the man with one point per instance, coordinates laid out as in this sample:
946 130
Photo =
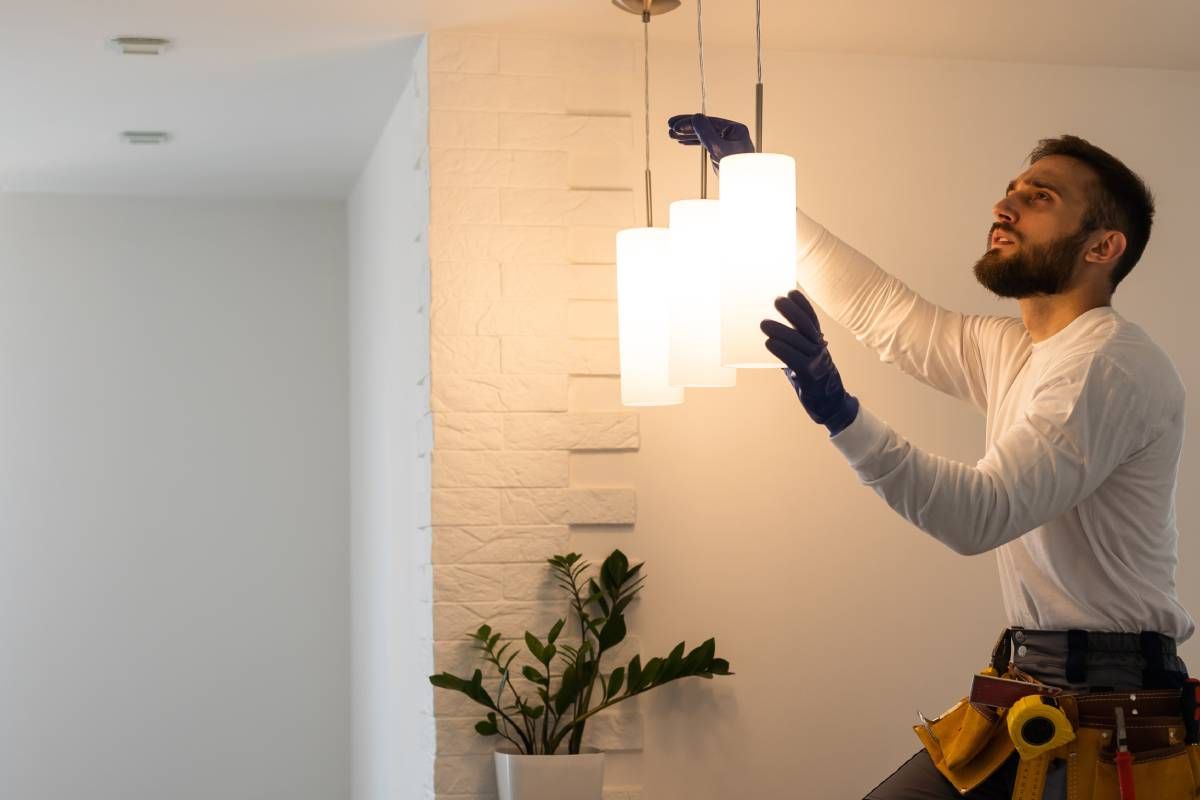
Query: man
1085 421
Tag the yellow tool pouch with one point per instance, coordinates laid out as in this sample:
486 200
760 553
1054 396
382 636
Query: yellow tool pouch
967 743
1165 767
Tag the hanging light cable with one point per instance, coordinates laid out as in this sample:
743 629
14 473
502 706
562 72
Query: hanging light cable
703 95
758 232
696 274
643 282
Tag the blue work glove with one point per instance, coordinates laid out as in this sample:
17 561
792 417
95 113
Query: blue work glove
809 367
721 137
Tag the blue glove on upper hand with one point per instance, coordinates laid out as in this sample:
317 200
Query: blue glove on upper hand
721 137
810 368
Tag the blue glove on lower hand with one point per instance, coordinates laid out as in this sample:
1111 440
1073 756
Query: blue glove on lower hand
721 137
810 368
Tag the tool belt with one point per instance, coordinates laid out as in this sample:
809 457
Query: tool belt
972 739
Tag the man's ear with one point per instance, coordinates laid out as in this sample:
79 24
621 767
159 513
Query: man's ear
1107 249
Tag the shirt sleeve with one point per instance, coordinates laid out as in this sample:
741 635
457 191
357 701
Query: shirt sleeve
1082 422
941 348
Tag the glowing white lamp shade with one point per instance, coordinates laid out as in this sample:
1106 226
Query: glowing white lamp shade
758 233
643 317
695 295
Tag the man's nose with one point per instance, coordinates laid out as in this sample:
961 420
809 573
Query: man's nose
1003 211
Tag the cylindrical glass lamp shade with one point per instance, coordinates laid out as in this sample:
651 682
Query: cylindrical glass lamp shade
643 317
695 295
758 233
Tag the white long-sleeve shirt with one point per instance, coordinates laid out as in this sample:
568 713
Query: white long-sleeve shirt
1076 491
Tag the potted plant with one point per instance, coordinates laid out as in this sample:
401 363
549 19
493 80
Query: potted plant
560 696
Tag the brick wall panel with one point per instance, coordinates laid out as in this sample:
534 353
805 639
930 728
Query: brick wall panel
572 133
591 245
511 243
595 357
466 279
485 468
463 129
453 621
464 204
468 431
506 545
571 431
464 355
462 92
464 53
534 355
466 507
535 162
499 393
549 281
592 282
498 168
575 506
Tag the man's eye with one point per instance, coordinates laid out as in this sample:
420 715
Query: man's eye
1043 196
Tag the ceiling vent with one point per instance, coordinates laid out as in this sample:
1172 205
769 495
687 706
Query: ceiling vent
145 137
141 45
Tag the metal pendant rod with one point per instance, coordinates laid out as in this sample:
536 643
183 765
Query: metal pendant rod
703 174
758 115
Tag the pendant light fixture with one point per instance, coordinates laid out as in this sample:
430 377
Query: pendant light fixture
695 281
643 276
758 234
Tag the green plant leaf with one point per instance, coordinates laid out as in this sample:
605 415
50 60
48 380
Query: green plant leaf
699 659
622 604
532 712
650 672
613 633
486 728
548 654
483 633
491 643
567 691
534 645
719 666
635 674
556 630
447 681
596 595
472 688
534 676
613 571
614 683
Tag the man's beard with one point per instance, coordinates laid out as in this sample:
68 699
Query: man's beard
1033 269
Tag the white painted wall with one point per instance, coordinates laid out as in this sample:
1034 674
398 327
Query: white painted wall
840 619
391 443
173 499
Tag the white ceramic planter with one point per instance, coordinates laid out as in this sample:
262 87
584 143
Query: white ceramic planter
561 777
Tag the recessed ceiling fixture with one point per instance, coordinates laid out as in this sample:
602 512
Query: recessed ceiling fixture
145 137
140 45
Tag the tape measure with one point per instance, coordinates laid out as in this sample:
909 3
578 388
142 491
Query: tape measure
1037 725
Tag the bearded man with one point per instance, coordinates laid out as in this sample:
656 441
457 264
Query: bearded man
1076 491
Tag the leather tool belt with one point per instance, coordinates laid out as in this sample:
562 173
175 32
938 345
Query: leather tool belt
970 740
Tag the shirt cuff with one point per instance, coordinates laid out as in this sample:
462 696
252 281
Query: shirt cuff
863 438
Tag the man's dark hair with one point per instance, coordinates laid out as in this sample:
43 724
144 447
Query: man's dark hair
1121 201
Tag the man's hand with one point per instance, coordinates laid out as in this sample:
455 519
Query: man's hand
809 368
721 137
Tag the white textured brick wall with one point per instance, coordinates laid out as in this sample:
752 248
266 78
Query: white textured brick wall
531 177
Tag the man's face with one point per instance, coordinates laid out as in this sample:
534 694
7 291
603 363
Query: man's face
1035 243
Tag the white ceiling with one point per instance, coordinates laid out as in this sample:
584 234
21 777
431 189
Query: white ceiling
286 97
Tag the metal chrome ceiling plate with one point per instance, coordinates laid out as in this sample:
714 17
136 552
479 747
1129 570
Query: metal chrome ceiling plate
639 6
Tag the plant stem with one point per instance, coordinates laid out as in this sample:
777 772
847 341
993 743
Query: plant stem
581 718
